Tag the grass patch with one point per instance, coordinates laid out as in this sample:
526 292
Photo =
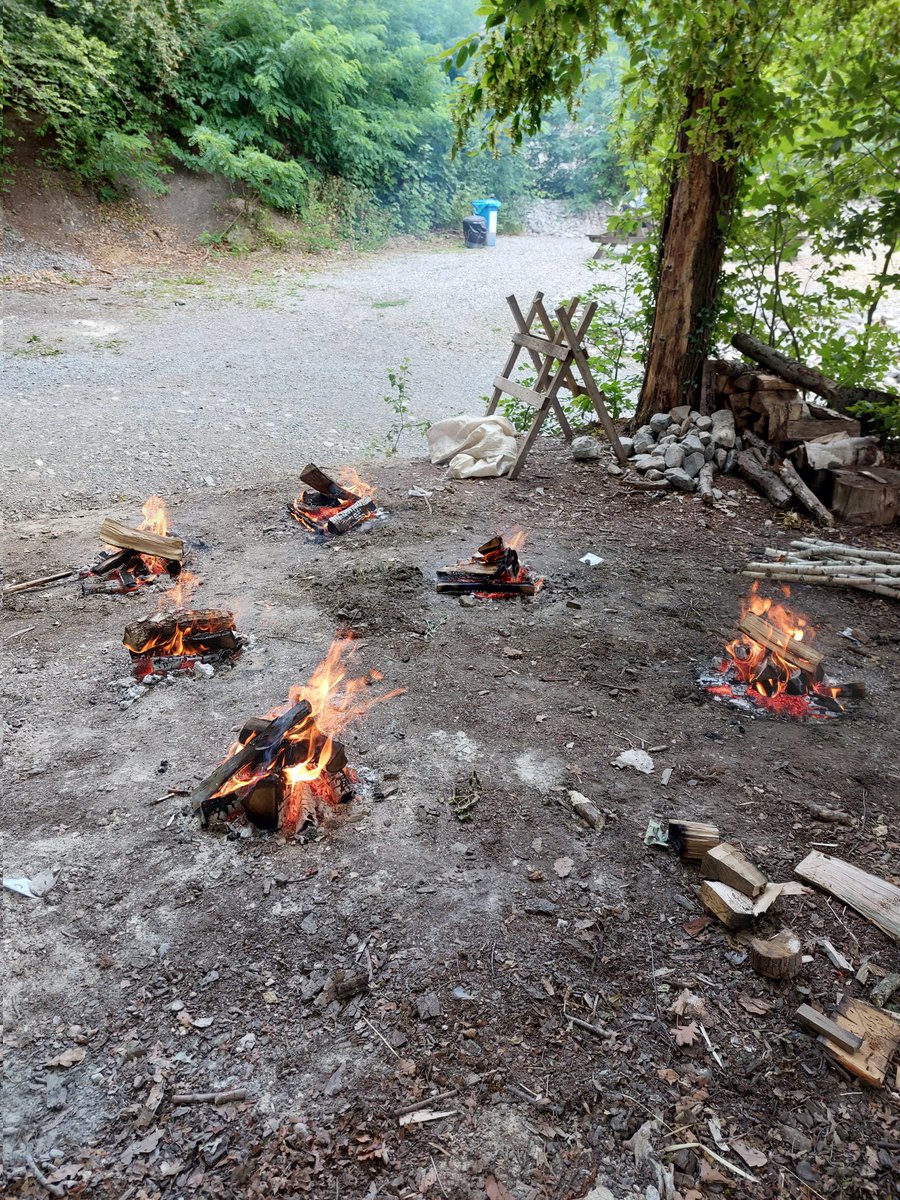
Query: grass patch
388 303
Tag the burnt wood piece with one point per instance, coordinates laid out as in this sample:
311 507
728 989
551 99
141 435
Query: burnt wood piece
260 748
114 533
112 562
320 482
765 481
462 586
348 518
692 839
800 654
805 377
198 628
867 497
336 762
807 498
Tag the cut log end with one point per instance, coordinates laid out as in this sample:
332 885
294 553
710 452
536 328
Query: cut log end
781 957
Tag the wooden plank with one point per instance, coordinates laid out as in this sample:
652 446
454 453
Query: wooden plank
580 360
810 1018
879 1031
876 899
807 429
801 654
513 356
114 533
540 345
525 394
556 335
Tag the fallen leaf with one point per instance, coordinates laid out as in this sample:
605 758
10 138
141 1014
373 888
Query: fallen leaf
270 997
68 1058
667 1074
686 1035
753 1158
711 1174
696 925
563 867
751 1004
202 1022
689 1004
494 1189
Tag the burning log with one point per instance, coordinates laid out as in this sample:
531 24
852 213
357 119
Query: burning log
258 748
329 507
781 957
172 641
144 541
495 569
794 650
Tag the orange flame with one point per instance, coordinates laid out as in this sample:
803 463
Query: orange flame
306 752
316 518
350 479
772 677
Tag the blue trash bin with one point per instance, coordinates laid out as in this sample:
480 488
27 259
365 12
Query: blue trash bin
488 210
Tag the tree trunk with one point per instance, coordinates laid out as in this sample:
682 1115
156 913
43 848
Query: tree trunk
701 199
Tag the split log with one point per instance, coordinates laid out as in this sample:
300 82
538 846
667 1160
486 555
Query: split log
807 378
705 482
879 1032
728 865
765 481
206 628
867 497
810 1018
876 899
800 654
111 562
807 498
781 957
157 545
692 839
807 429
467 587
264 744
731 907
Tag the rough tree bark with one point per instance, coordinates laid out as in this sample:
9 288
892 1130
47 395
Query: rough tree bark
692 245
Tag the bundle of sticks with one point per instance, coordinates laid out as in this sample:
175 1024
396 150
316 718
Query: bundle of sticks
833 564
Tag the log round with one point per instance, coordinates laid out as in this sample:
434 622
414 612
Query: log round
781 957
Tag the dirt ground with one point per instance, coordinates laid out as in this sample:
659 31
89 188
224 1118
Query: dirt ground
168 959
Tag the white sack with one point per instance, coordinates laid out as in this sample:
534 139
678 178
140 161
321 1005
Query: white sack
473 447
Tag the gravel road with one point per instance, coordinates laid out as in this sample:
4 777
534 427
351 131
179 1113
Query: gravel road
168 383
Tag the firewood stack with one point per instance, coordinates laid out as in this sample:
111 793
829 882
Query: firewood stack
137 556
494 571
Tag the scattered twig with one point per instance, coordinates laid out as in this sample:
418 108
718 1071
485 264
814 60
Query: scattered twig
210 1097
28 585
39 1177
381 1035
596 1030
19 632
425 1102
712 1154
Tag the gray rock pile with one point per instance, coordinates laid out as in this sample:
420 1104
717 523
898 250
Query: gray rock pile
672 449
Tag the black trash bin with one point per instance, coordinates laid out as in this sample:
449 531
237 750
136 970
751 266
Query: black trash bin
475 231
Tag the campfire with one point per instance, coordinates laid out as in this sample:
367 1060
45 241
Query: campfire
328 508
134 557
177 639
495 571
773 667
287 769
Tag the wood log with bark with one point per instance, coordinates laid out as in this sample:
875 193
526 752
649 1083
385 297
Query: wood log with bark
808 378
779 957
868 497
764 480
807 498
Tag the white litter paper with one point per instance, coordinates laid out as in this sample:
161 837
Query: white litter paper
640 760
591 560
34 888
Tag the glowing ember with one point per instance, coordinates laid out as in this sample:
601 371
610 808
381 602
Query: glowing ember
495 572
771 664
329 507
289 784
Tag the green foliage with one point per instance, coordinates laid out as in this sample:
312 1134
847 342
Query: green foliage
397 401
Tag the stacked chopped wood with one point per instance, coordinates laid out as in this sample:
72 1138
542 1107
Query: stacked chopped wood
326 507
832 564
494 570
